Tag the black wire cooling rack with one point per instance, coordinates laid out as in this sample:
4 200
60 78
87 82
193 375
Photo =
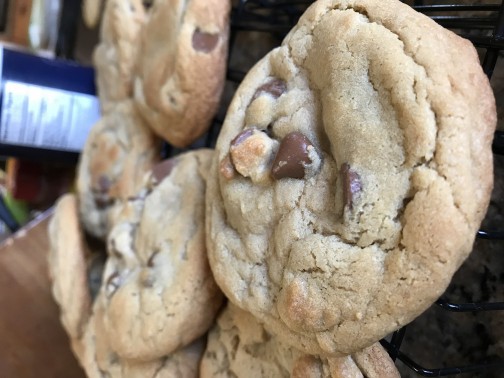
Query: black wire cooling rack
483 25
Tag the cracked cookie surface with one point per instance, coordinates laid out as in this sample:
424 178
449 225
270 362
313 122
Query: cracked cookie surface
239 346
181 69
143 311
119 151
352 172
101 361
158 293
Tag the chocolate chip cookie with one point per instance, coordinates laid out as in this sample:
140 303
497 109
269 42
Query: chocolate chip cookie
181 70
239 346
159 294
351 174
99 359
116 54
118 153
67 267
75 266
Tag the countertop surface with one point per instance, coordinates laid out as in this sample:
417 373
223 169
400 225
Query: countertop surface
34 343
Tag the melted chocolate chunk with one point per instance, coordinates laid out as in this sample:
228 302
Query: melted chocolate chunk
241 137
163 170
292 157
274 87
204 42
148 282
101 197
352 184
150 261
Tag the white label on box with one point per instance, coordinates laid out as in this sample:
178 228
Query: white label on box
46 117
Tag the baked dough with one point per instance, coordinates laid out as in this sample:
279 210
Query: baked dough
115 56
351 174
119 151
182 65
159 294
240 346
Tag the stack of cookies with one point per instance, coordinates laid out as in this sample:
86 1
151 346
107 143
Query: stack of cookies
346 187
128 258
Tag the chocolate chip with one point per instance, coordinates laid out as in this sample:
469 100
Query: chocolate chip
275 87
352 184
134 198
101 197
148 282
150 262
204 42
241 137
163 170
292 157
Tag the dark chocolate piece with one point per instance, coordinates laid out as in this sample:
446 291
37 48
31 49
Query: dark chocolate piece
241 137
204 42
292 157
352 184
101 197
275 87
150 261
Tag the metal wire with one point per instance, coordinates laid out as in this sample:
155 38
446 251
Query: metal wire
469 307
441 372
498 143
